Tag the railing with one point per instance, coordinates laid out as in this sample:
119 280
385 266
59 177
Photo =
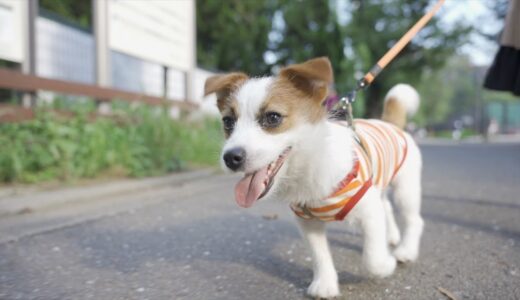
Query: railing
15 80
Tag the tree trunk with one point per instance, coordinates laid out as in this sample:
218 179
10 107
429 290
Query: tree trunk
374 101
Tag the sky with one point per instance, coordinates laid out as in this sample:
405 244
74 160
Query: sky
480 50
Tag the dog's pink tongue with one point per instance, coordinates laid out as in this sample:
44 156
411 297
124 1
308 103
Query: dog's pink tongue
249 188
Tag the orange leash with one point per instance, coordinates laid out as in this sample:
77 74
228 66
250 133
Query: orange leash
346 101
407 37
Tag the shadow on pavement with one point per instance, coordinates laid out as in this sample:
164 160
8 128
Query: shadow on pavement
217 239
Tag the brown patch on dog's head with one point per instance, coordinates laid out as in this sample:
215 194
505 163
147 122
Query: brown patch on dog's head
224 85
311 77
298 93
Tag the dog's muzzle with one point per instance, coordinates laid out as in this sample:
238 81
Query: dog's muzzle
235 158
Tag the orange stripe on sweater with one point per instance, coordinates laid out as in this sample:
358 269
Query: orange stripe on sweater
352 185
392 138
377 161
364 164
330 207
383 130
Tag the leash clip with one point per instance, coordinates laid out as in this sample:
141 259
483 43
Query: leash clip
346 107
347 100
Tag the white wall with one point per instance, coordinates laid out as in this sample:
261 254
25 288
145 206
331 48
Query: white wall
154 30
143 37
67 53
11 30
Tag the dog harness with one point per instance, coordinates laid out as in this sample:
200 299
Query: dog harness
379 152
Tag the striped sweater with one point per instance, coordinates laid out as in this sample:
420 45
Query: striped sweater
380 150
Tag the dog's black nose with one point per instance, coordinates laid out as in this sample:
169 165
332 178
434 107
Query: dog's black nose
235 158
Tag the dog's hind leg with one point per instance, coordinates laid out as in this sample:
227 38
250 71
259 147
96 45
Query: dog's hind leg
407 196
325 281
392 230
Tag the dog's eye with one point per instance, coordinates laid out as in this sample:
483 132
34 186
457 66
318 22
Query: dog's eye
272 119
229 123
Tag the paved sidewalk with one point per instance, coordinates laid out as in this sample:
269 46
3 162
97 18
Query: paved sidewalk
191 241
33 211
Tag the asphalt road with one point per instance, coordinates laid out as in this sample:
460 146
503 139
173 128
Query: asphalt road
195 243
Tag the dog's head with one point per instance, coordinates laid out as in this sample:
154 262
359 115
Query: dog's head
264 120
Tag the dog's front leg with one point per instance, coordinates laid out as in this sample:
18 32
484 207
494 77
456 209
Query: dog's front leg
325 281
376 255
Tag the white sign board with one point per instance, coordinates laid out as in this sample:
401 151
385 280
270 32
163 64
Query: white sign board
11 30
160 31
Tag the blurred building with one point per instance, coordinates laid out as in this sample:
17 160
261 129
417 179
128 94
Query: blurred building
145 47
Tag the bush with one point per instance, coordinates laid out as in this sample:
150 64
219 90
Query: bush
138 142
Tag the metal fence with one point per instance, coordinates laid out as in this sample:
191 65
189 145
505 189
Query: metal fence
64 52
65 63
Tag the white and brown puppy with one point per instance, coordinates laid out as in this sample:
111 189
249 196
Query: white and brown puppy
279 135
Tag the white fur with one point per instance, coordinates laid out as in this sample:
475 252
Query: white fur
406 95
261 148
320 158
317 163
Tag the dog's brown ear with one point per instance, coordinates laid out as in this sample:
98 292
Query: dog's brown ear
312 77
224 84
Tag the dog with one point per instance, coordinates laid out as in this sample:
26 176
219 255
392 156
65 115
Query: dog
280 136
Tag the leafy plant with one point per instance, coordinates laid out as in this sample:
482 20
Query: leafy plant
137 142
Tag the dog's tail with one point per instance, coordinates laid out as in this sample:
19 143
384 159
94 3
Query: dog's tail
401 101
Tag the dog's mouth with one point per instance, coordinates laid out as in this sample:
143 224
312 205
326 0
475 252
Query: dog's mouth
257 184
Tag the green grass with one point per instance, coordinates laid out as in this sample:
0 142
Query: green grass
466 133
139 142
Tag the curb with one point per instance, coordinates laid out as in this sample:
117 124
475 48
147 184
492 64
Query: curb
36 200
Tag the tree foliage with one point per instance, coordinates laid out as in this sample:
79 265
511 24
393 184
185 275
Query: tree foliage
233 35
354 35
74 11
307 29
454 92
448 94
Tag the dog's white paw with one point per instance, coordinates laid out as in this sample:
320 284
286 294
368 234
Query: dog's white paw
406 254
383 267
324 287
